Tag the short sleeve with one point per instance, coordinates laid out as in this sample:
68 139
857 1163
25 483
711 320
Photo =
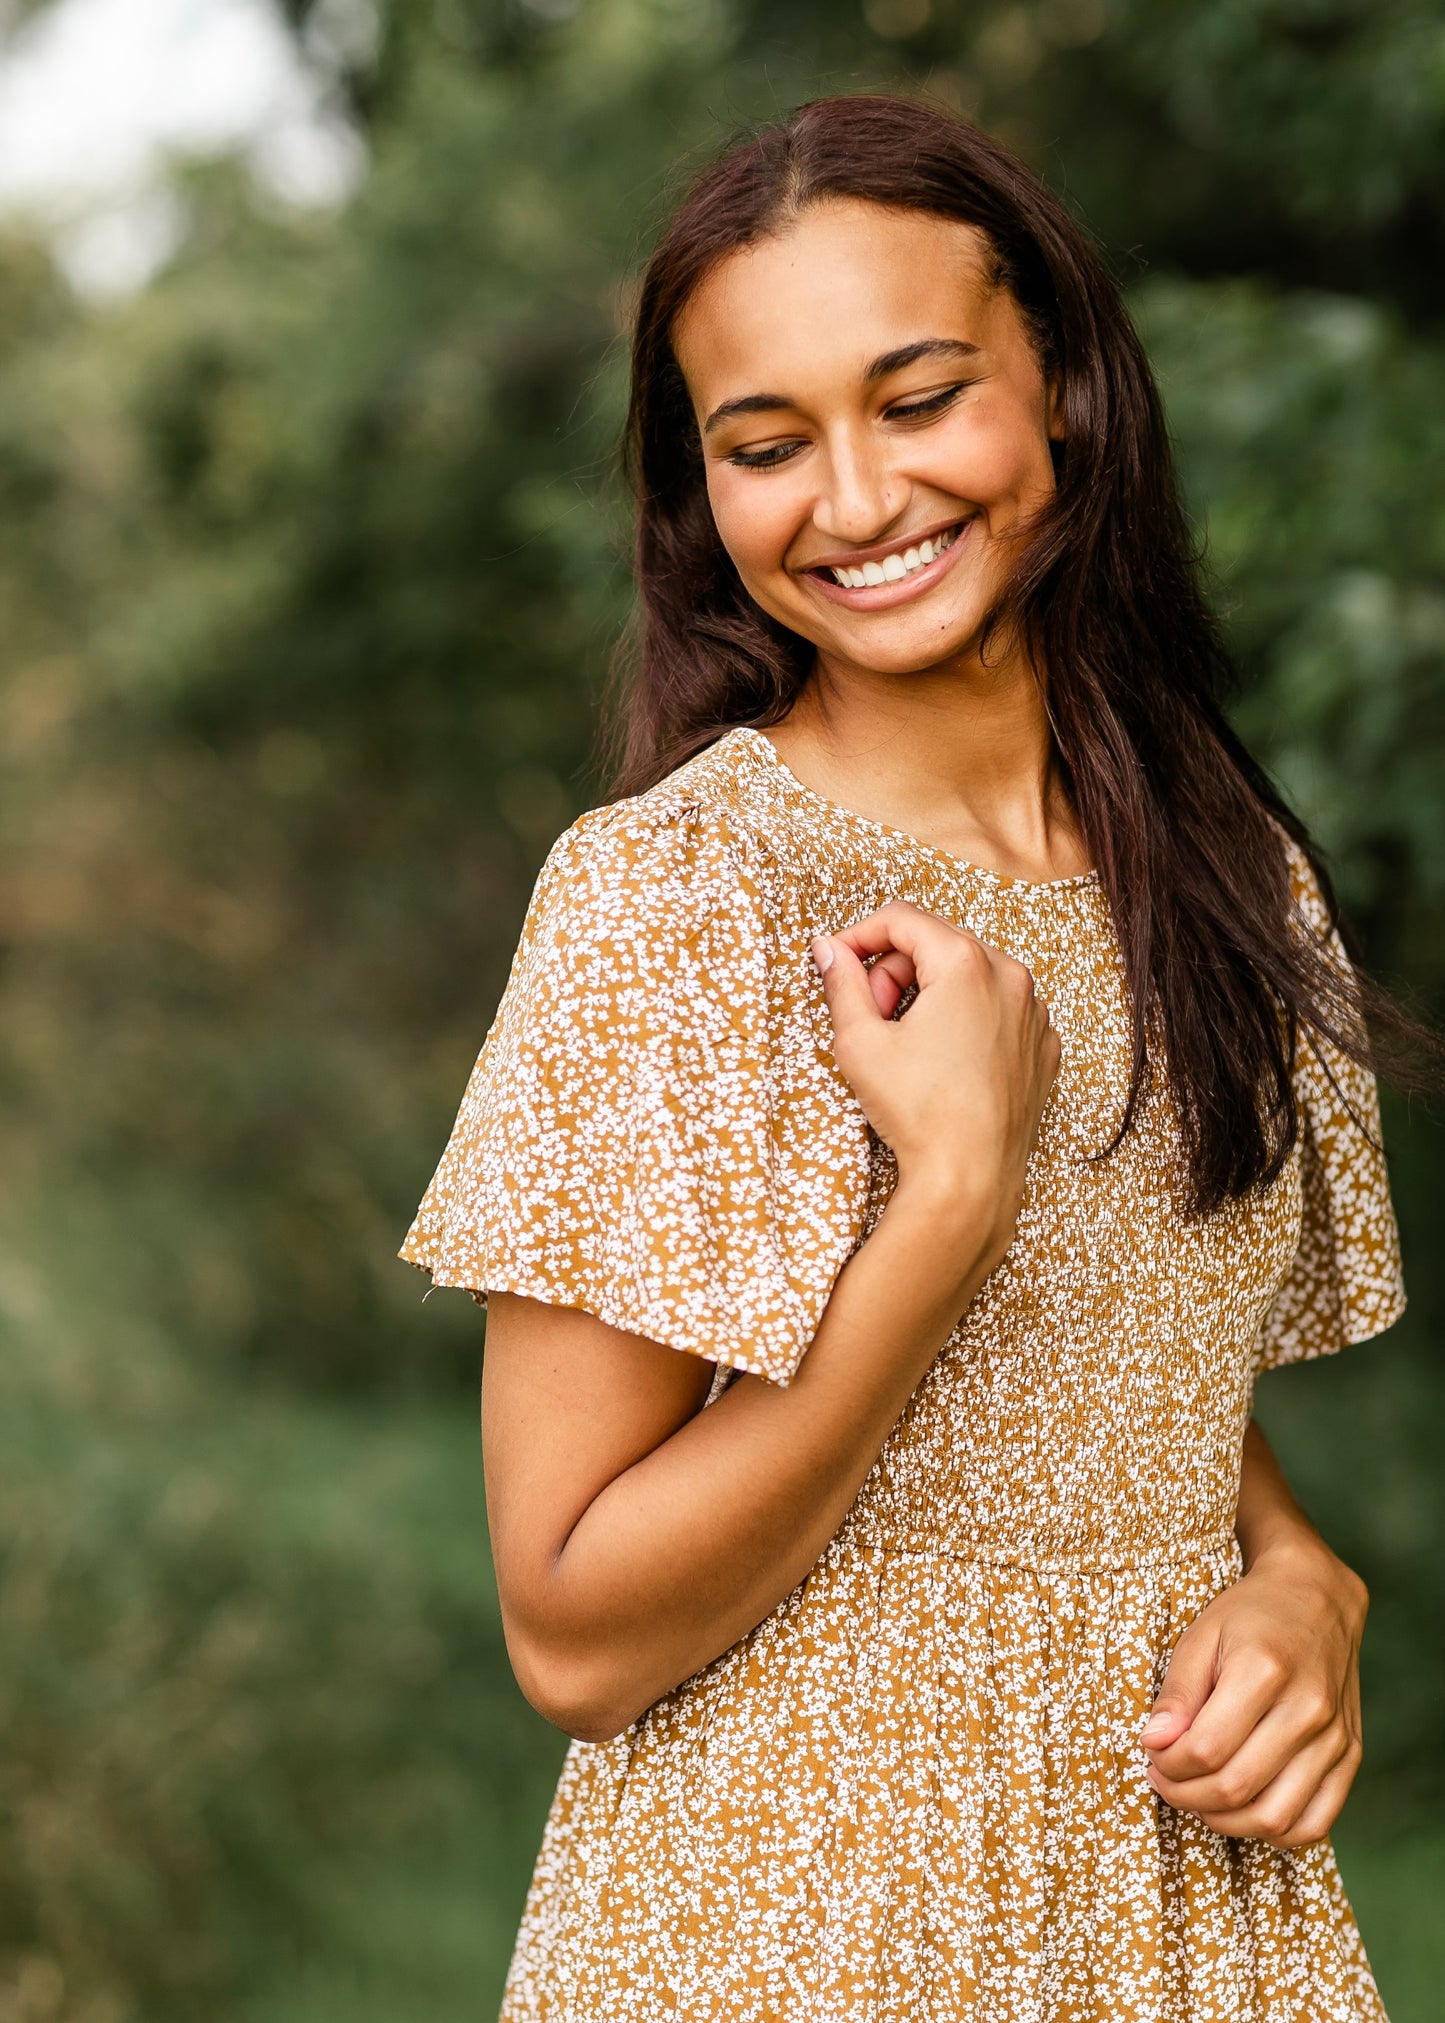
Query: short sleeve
639 1137
1345 1284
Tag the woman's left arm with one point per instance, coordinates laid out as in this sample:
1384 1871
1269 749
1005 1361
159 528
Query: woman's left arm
1257 1725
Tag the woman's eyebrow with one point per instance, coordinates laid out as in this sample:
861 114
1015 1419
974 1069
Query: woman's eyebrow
909 354
878 368
749 403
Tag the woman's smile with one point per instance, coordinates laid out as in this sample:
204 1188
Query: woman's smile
876 578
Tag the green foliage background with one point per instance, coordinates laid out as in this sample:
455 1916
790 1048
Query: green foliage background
311 559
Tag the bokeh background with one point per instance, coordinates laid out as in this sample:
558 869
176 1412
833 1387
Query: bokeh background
311 559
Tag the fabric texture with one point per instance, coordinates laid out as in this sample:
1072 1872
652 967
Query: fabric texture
914 1791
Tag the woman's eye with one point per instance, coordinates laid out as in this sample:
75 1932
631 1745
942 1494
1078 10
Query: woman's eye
764 460
774 454
932 403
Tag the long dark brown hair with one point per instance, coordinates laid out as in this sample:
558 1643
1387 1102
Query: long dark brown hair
1107 599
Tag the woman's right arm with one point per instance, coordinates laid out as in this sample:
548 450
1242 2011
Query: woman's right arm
636 1536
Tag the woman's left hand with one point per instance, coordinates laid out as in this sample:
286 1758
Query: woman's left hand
1257 1725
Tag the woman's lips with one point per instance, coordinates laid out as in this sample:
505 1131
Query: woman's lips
882 596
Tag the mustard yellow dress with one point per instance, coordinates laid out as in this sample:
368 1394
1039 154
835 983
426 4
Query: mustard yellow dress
914 1793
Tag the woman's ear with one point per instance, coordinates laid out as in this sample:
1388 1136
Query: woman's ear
1054 393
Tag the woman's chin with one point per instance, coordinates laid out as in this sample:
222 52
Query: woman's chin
902 650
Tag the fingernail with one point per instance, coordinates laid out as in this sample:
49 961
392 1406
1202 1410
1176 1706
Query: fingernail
823 952
1155 1725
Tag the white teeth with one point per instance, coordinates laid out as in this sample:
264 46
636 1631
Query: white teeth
893 568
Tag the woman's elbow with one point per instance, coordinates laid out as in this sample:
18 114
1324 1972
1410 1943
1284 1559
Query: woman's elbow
588 1725
580 1696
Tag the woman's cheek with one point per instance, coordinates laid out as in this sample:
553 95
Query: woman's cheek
992 460
753 530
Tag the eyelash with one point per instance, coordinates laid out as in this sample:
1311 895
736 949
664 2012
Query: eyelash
781 453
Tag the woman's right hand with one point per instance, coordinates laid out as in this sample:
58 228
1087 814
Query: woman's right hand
957 1085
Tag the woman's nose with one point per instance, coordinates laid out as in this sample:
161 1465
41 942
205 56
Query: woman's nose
861 495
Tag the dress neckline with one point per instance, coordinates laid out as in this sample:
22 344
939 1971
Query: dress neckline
771 756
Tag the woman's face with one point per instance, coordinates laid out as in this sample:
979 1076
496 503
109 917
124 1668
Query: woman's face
875 428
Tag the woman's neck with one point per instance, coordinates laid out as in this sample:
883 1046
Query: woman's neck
965 762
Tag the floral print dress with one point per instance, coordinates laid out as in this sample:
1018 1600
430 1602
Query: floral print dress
914 1793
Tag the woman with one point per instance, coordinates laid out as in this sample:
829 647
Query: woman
946 1044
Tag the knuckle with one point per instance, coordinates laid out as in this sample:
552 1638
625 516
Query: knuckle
1208 1754
1338 1744
1312 1823
1235 1788
1341 1776
1261 1675
1315 1708
1273 1819
1271 1670
967 955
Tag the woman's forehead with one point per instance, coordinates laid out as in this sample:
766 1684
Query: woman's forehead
849 280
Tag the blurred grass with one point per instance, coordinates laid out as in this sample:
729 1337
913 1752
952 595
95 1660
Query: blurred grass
1397 1885
262 1745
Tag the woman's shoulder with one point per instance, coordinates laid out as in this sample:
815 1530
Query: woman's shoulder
681 873
1306 891
652 914
692 835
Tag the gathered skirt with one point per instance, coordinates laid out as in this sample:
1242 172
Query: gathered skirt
916 1794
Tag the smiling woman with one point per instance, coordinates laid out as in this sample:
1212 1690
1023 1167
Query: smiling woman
967 412
921 1103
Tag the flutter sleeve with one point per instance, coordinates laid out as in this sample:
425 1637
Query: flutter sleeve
1345 1284
637 1139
